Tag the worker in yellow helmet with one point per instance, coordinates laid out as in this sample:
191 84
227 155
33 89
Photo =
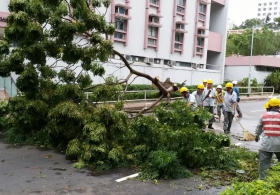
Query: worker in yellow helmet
220 99
204 81
199 95
210 94
188 98
229 105
269 126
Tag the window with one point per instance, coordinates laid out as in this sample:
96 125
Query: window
180 26
199 50
152 31
264 4
264 14
120 10
264 9
179 37
178 46
260 4
270 3
200 31
154 19
154 2
181 10
276 3
275 8
120 25
259 9
180 2
151 41
118 35
259 14
201 17
200 41
275 13
202 8
270 8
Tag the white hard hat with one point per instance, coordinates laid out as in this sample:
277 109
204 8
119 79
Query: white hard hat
234 82
219 87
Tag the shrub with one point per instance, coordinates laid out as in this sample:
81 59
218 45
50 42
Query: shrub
271 185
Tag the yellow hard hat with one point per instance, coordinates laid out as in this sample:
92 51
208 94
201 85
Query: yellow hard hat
200 86
210 81
266 106
184 89
204 81
273 102
230 85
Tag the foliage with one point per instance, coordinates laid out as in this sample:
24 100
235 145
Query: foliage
266 42
270 185
273 79
249 23
3 113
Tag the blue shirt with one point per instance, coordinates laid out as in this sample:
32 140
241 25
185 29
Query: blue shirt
236 90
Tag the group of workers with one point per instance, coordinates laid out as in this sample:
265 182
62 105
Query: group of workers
206 96
227 101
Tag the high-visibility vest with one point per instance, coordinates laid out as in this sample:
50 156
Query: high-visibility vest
271 124
220 98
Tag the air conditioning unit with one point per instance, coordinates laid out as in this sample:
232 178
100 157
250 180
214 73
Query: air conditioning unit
128 57
157 62
194 65
136 59
146 60
151 60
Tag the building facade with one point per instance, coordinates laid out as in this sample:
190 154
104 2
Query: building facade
237 67
269 8
180 39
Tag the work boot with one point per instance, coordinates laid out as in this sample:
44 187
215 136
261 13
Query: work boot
210 127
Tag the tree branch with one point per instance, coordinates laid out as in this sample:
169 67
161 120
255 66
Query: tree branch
151 106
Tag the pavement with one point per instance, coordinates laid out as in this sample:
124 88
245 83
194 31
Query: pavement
30 170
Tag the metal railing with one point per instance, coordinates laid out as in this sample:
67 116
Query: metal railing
257 90
269 91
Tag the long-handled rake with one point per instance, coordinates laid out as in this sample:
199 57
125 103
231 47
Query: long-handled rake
247 136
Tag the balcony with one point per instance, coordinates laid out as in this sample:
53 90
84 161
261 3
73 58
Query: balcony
215 41
221 2
181 27
121 12
154 20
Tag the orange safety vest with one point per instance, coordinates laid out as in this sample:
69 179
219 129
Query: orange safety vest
220 98
271 124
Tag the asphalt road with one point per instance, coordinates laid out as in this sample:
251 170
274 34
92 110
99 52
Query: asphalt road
29 170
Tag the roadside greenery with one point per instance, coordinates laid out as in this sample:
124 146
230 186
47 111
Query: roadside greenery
273 79
270 185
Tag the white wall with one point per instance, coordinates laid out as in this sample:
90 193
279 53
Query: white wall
240 72
176 74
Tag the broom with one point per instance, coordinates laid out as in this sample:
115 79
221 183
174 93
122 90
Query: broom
247 136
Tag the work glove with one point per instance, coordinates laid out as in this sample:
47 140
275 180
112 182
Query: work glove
257 138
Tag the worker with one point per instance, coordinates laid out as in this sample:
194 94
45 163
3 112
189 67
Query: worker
208 103
188 98
199 95
204 81
220 99
236 90
269 125
229 106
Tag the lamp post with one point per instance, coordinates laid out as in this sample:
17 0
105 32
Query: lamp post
249 78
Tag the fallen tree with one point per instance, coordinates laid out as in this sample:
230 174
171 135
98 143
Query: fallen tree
61 47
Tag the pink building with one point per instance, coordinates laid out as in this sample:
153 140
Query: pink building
237 68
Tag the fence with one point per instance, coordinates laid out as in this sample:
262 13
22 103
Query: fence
257 90
269 91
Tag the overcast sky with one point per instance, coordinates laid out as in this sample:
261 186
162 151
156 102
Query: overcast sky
240 10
